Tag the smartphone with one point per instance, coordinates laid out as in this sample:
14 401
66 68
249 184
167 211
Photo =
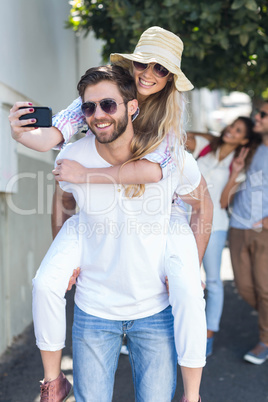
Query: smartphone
42 114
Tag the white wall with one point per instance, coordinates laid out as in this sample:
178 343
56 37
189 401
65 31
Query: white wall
41 61
38 55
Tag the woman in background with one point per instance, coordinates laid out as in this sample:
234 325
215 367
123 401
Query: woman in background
222 161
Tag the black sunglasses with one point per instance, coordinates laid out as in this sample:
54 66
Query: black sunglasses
109 106
158 70
262 113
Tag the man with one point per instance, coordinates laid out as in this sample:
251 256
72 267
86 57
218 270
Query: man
122 240
249 237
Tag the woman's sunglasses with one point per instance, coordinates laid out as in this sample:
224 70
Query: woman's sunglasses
109 106
158 70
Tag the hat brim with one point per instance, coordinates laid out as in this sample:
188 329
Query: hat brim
181 82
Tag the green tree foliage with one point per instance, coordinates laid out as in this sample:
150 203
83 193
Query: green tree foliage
225 42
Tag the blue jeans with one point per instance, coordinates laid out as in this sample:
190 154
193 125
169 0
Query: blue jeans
214 286
96 348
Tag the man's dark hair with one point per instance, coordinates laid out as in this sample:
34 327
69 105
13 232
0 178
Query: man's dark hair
116 74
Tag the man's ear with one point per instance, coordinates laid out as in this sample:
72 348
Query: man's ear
132 106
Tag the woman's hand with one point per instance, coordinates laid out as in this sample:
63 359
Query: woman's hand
239 162
71 171
17 125
73 279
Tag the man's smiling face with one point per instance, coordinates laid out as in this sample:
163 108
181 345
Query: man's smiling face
106 127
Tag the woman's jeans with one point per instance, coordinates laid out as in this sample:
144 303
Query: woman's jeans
186 295
214 286
96 348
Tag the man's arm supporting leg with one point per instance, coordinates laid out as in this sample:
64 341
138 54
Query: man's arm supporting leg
63 206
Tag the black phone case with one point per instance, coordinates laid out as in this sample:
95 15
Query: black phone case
42 114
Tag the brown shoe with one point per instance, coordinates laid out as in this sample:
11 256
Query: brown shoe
58 390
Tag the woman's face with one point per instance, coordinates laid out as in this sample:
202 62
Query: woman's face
148 83
235 134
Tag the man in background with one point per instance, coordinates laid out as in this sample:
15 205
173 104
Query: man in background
249 237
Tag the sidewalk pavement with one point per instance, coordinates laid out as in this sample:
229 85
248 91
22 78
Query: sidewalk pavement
226 377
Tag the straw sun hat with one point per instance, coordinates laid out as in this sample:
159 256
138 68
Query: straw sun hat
157 45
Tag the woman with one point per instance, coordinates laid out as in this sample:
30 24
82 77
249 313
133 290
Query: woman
158 131
221 160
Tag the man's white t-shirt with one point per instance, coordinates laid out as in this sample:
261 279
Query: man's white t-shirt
123 239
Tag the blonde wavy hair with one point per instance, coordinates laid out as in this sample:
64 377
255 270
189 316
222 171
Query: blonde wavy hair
161 115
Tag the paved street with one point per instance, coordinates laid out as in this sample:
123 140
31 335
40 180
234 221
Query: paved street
226 378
